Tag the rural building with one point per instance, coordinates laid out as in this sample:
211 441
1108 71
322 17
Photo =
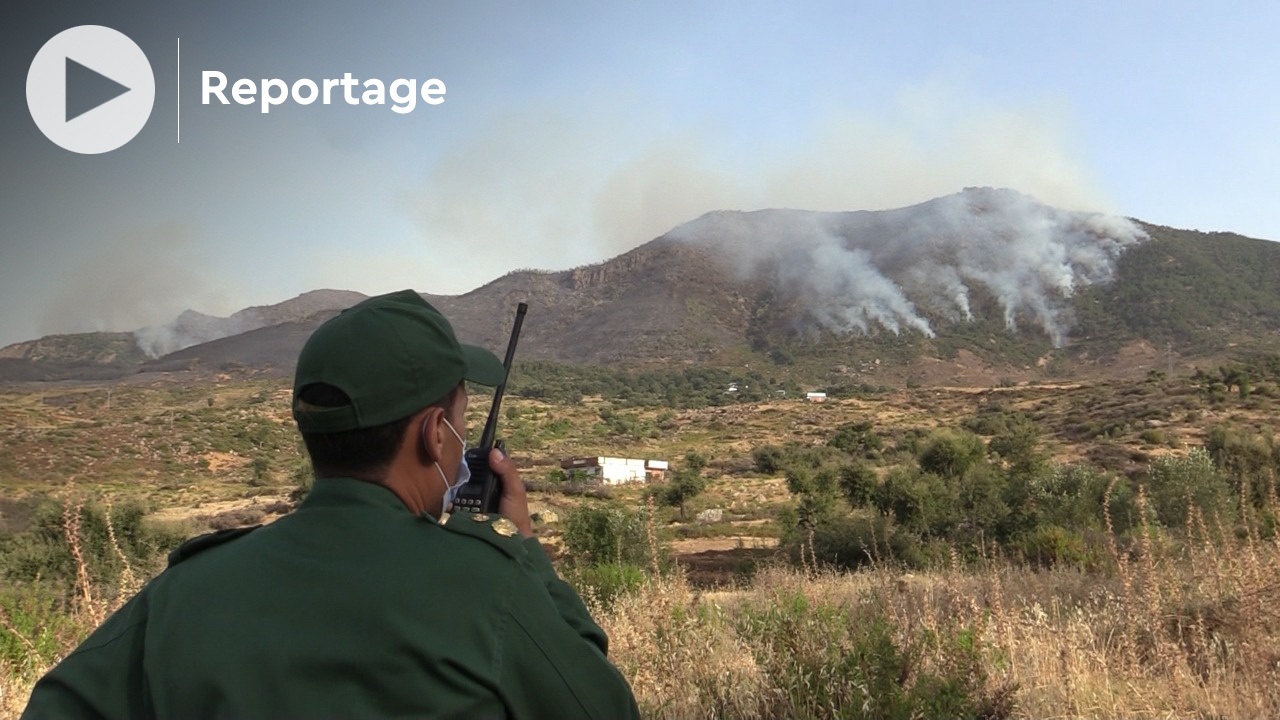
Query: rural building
816 397
615 470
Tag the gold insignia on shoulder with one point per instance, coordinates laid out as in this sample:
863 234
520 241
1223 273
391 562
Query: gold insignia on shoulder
480 517
504 527
444 518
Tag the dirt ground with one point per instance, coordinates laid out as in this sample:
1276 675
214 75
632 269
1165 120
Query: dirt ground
218 514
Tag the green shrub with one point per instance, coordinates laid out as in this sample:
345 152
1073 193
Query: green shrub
1176 483
772 459
685 484
1054 546
37 628
983 506
858 483
850 542
1151 436
994 419
1018 445
261 471
857 439
949 453
606 581
43 552
1241 454
816 491
768 458
849 661
608 534
919 501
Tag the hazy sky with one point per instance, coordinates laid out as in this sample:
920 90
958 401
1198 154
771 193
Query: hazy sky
573 131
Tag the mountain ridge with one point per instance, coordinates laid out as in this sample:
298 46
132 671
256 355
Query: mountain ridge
985 281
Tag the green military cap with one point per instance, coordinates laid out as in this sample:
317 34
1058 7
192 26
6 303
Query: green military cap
392 355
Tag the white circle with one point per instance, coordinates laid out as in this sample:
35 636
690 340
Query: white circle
103 51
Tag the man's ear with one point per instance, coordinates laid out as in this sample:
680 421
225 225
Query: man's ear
431 429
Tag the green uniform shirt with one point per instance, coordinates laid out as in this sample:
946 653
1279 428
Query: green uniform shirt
350 606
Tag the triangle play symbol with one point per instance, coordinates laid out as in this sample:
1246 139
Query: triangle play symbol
86 89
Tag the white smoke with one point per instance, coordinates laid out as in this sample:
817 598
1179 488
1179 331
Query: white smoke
192 328
157 340
136 277
549 187
840 285
853 270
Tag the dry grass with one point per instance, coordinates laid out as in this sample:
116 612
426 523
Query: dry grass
50 633
775 648
1188 631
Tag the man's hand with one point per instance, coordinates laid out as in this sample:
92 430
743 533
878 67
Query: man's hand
514 504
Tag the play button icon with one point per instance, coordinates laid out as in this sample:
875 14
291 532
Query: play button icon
90 89
87 89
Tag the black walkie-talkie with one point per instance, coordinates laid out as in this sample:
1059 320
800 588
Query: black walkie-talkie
482 492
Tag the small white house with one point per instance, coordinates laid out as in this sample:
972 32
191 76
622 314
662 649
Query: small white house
615 470
816 397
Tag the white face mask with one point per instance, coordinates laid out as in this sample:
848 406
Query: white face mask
464 471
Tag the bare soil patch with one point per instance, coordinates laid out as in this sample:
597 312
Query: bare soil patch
221 514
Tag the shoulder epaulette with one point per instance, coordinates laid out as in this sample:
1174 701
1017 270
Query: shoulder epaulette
201 543
495 530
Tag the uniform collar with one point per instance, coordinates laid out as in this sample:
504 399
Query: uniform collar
335 491
345 491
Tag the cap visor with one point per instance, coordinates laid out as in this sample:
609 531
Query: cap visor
483 366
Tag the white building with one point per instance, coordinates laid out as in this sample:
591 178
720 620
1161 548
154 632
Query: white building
615 470
816 397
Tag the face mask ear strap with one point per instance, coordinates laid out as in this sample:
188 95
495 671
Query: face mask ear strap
453 430
444 478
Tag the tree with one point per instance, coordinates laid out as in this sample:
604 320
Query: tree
687 483
857 482
922 502
817 491
856 438
950 454
768 458
1019 446
1176 484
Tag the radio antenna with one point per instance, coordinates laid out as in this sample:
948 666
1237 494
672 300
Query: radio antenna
491 425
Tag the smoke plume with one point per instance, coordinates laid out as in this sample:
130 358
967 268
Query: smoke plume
855 270
143 276
191 328
543 187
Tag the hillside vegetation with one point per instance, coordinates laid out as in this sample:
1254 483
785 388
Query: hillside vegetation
1103 548
1197 291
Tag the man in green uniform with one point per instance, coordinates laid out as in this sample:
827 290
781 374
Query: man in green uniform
368 600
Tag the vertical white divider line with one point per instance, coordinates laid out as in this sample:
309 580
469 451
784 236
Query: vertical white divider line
179 91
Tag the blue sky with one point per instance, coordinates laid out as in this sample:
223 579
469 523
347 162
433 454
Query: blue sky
574 131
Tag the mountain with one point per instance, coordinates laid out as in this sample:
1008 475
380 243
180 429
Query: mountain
1199 292
982 286
81 356
193 328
